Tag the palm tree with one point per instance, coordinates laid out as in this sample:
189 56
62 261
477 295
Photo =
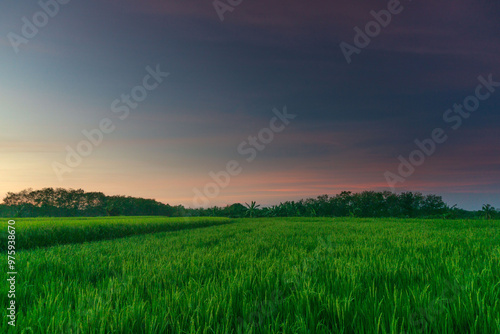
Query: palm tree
272 211
488 211
252 208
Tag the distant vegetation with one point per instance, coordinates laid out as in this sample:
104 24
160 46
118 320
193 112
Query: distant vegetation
49 202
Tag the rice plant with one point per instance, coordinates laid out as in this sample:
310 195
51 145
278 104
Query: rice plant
280 275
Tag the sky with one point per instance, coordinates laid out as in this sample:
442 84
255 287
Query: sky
206 103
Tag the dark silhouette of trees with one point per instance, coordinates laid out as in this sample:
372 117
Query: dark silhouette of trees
236 210
59 202
251 208
488 211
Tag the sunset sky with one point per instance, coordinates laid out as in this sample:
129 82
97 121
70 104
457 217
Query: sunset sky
225 78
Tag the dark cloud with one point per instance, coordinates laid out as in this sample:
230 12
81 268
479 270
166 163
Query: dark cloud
354 120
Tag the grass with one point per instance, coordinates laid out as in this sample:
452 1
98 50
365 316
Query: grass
269 276
44 232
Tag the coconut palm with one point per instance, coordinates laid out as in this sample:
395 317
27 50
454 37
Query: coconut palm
488 211
272 211
252 208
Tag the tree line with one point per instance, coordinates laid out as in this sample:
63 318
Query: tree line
50 202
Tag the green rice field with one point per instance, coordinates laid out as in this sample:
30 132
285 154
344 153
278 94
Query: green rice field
45 232
280 275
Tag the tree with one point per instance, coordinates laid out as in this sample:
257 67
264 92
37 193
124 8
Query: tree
342 204
433 205
49 202
252 208
59 202
235 210
273 211
215 211
410 204
488 211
